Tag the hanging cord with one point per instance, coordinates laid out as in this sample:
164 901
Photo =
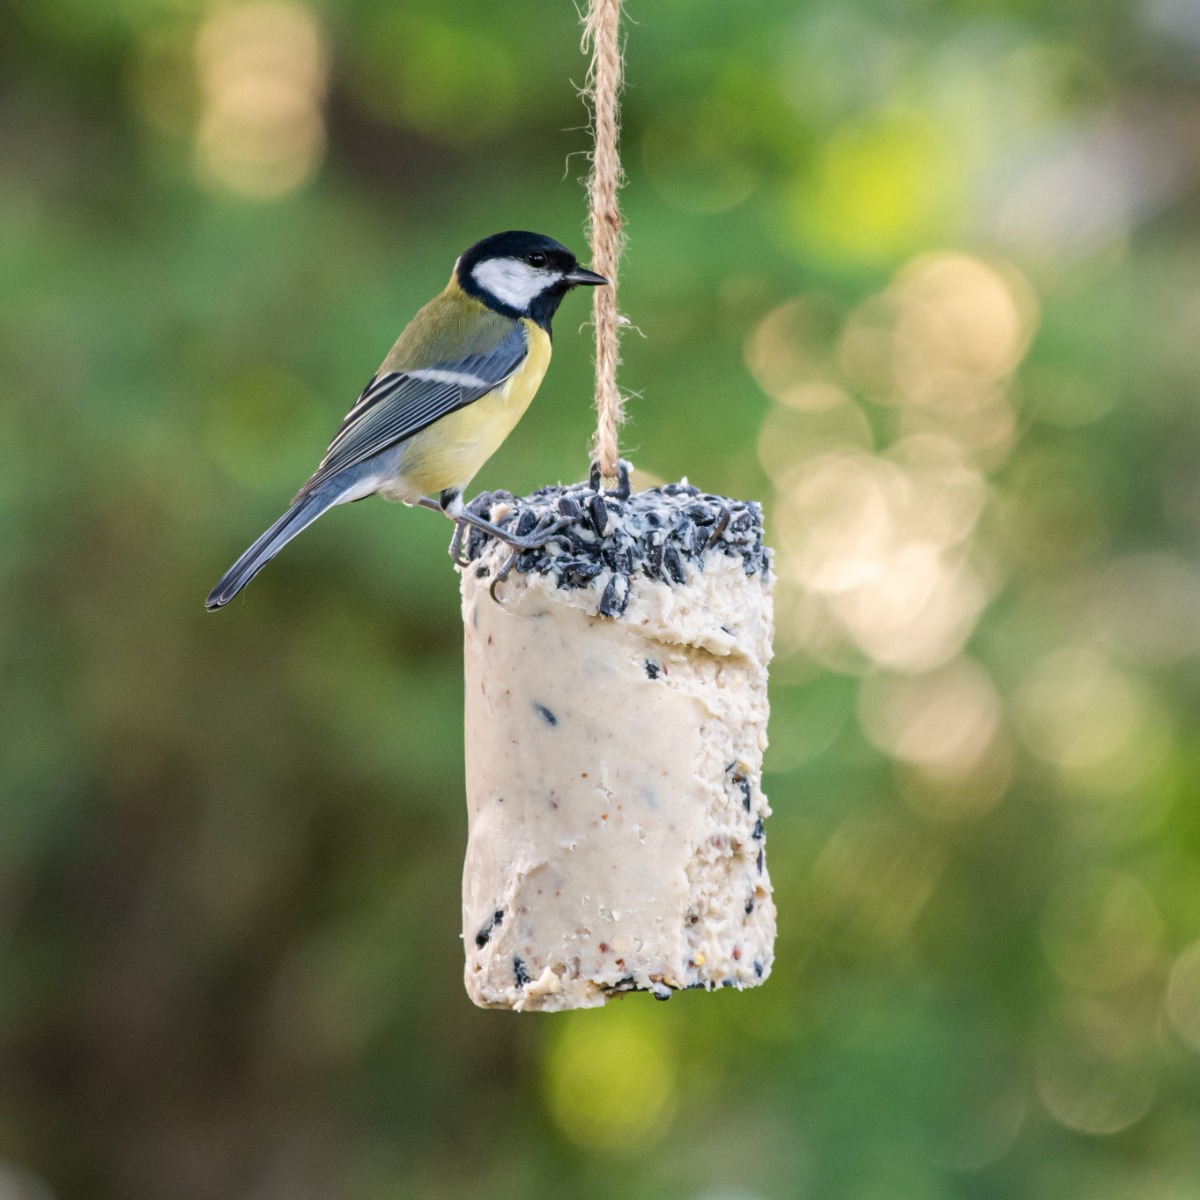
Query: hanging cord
601 31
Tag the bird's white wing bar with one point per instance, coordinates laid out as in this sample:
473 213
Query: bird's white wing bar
461 378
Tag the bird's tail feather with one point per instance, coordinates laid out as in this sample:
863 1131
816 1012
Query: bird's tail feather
303 512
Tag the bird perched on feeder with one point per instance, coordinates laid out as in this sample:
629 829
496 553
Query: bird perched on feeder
449 392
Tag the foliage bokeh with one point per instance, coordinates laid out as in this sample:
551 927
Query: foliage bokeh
923 275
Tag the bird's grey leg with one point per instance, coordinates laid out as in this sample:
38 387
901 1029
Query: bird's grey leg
456 543
460 527
450 503
534 541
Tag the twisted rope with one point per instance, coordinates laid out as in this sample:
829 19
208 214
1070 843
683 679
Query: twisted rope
601 31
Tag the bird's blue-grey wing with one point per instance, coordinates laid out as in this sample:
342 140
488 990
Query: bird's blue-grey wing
397 404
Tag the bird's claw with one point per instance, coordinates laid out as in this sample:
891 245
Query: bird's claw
519 545
502 575
538 538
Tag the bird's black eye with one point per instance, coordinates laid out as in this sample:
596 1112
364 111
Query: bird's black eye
536 259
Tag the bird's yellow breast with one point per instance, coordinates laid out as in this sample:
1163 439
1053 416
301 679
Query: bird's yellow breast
450 452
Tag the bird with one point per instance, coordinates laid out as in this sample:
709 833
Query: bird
451 389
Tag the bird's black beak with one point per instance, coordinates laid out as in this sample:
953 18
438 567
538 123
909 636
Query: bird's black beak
581 275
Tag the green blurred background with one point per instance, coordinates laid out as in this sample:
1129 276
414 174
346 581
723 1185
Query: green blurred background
922 275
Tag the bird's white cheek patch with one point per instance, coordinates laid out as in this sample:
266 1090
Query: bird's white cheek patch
513 282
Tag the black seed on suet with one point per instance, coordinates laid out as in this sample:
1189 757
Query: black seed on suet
758 967
579 573
546 715
523 976
485 934
740 782
652 668
608 601
759 832
658 533
616 597
598 511
674 564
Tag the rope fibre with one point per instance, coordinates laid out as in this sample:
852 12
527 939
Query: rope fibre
601 31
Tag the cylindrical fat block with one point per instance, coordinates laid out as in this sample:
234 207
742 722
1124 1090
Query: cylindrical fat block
616 717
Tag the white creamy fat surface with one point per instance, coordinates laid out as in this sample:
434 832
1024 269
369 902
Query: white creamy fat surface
613 787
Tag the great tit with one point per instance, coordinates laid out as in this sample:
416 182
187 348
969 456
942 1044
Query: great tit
449 392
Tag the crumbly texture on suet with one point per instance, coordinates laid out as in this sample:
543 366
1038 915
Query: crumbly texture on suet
616 710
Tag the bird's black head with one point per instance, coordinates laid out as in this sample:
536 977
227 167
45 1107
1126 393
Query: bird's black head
522 274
